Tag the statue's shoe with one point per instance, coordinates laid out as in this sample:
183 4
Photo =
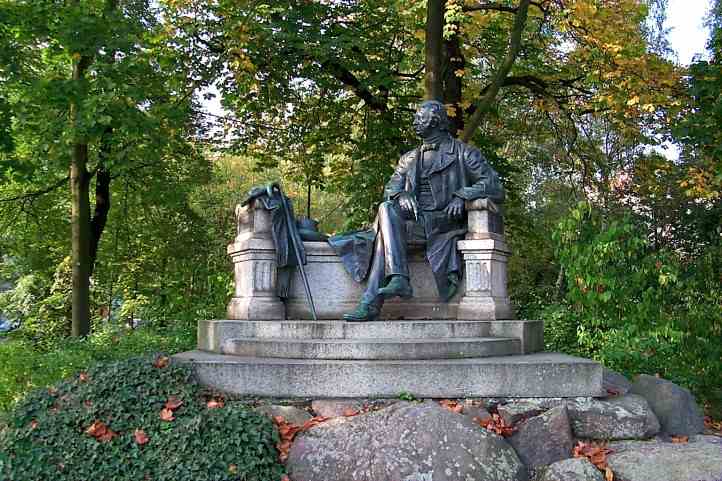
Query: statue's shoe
399 286
364 312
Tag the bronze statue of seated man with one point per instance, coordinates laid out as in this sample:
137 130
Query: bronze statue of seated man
424 200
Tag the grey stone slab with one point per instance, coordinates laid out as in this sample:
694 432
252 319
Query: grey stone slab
213 333
369 349
533 375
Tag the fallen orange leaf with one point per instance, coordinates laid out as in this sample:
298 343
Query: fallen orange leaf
166 414
83 377
496 423
680 439
161 362
173 403
215 403
100 431
33 424
453 406
349 412
140 437
597 455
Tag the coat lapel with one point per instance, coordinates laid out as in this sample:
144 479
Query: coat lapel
446 157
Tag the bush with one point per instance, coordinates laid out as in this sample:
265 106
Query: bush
47 435
638 309
27 366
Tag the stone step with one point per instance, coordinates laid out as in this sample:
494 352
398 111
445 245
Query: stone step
369 349
213 334
533 375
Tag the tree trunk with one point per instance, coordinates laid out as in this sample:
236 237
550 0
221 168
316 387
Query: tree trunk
486 101
453 63
100 216
433 48
80 222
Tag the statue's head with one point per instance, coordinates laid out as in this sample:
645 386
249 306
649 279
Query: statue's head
430 117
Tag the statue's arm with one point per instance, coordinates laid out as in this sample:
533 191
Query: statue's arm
397 182
484 181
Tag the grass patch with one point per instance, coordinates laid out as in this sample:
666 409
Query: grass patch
24 368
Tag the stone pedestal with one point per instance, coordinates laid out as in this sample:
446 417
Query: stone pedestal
485 258
254 267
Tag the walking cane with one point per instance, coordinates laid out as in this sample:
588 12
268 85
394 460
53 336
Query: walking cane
290 223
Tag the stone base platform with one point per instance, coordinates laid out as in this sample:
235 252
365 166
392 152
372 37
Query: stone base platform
532 375
239 336
426 358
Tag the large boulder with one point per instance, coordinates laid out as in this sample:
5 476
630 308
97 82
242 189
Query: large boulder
544 439
698 460
675 407
620 417
404 442
574 469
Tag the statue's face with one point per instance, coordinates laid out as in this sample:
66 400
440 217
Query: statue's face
424 122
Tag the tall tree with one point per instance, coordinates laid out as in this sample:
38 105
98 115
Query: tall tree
96 90
373 61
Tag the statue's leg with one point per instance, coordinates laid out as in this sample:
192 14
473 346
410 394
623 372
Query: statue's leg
389 259
392 230
389 251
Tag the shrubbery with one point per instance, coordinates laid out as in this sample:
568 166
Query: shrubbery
637 309
48 433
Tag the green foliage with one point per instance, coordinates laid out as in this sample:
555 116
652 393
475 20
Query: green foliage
634 308
47 439
25 367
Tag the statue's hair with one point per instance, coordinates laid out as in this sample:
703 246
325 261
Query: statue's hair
438 110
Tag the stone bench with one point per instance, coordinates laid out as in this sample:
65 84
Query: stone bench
482 294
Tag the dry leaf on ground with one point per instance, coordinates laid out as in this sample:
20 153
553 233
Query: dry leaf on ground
166 415
496 423
140 437
173 403
597 455
453 406
100 431
161 362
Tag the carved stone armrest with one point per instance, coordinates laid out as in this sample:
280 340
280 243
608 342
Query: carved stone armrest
485 220
253 222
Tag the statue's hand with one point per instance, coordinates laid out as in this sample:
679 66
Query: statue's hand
455 208
408 205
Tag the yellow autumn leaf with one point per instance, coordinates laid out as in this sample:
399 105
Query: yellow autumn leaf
648 108
459 72
633 101
451 111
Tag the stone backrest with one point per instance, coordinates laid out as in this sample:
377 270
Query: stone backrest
483 294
